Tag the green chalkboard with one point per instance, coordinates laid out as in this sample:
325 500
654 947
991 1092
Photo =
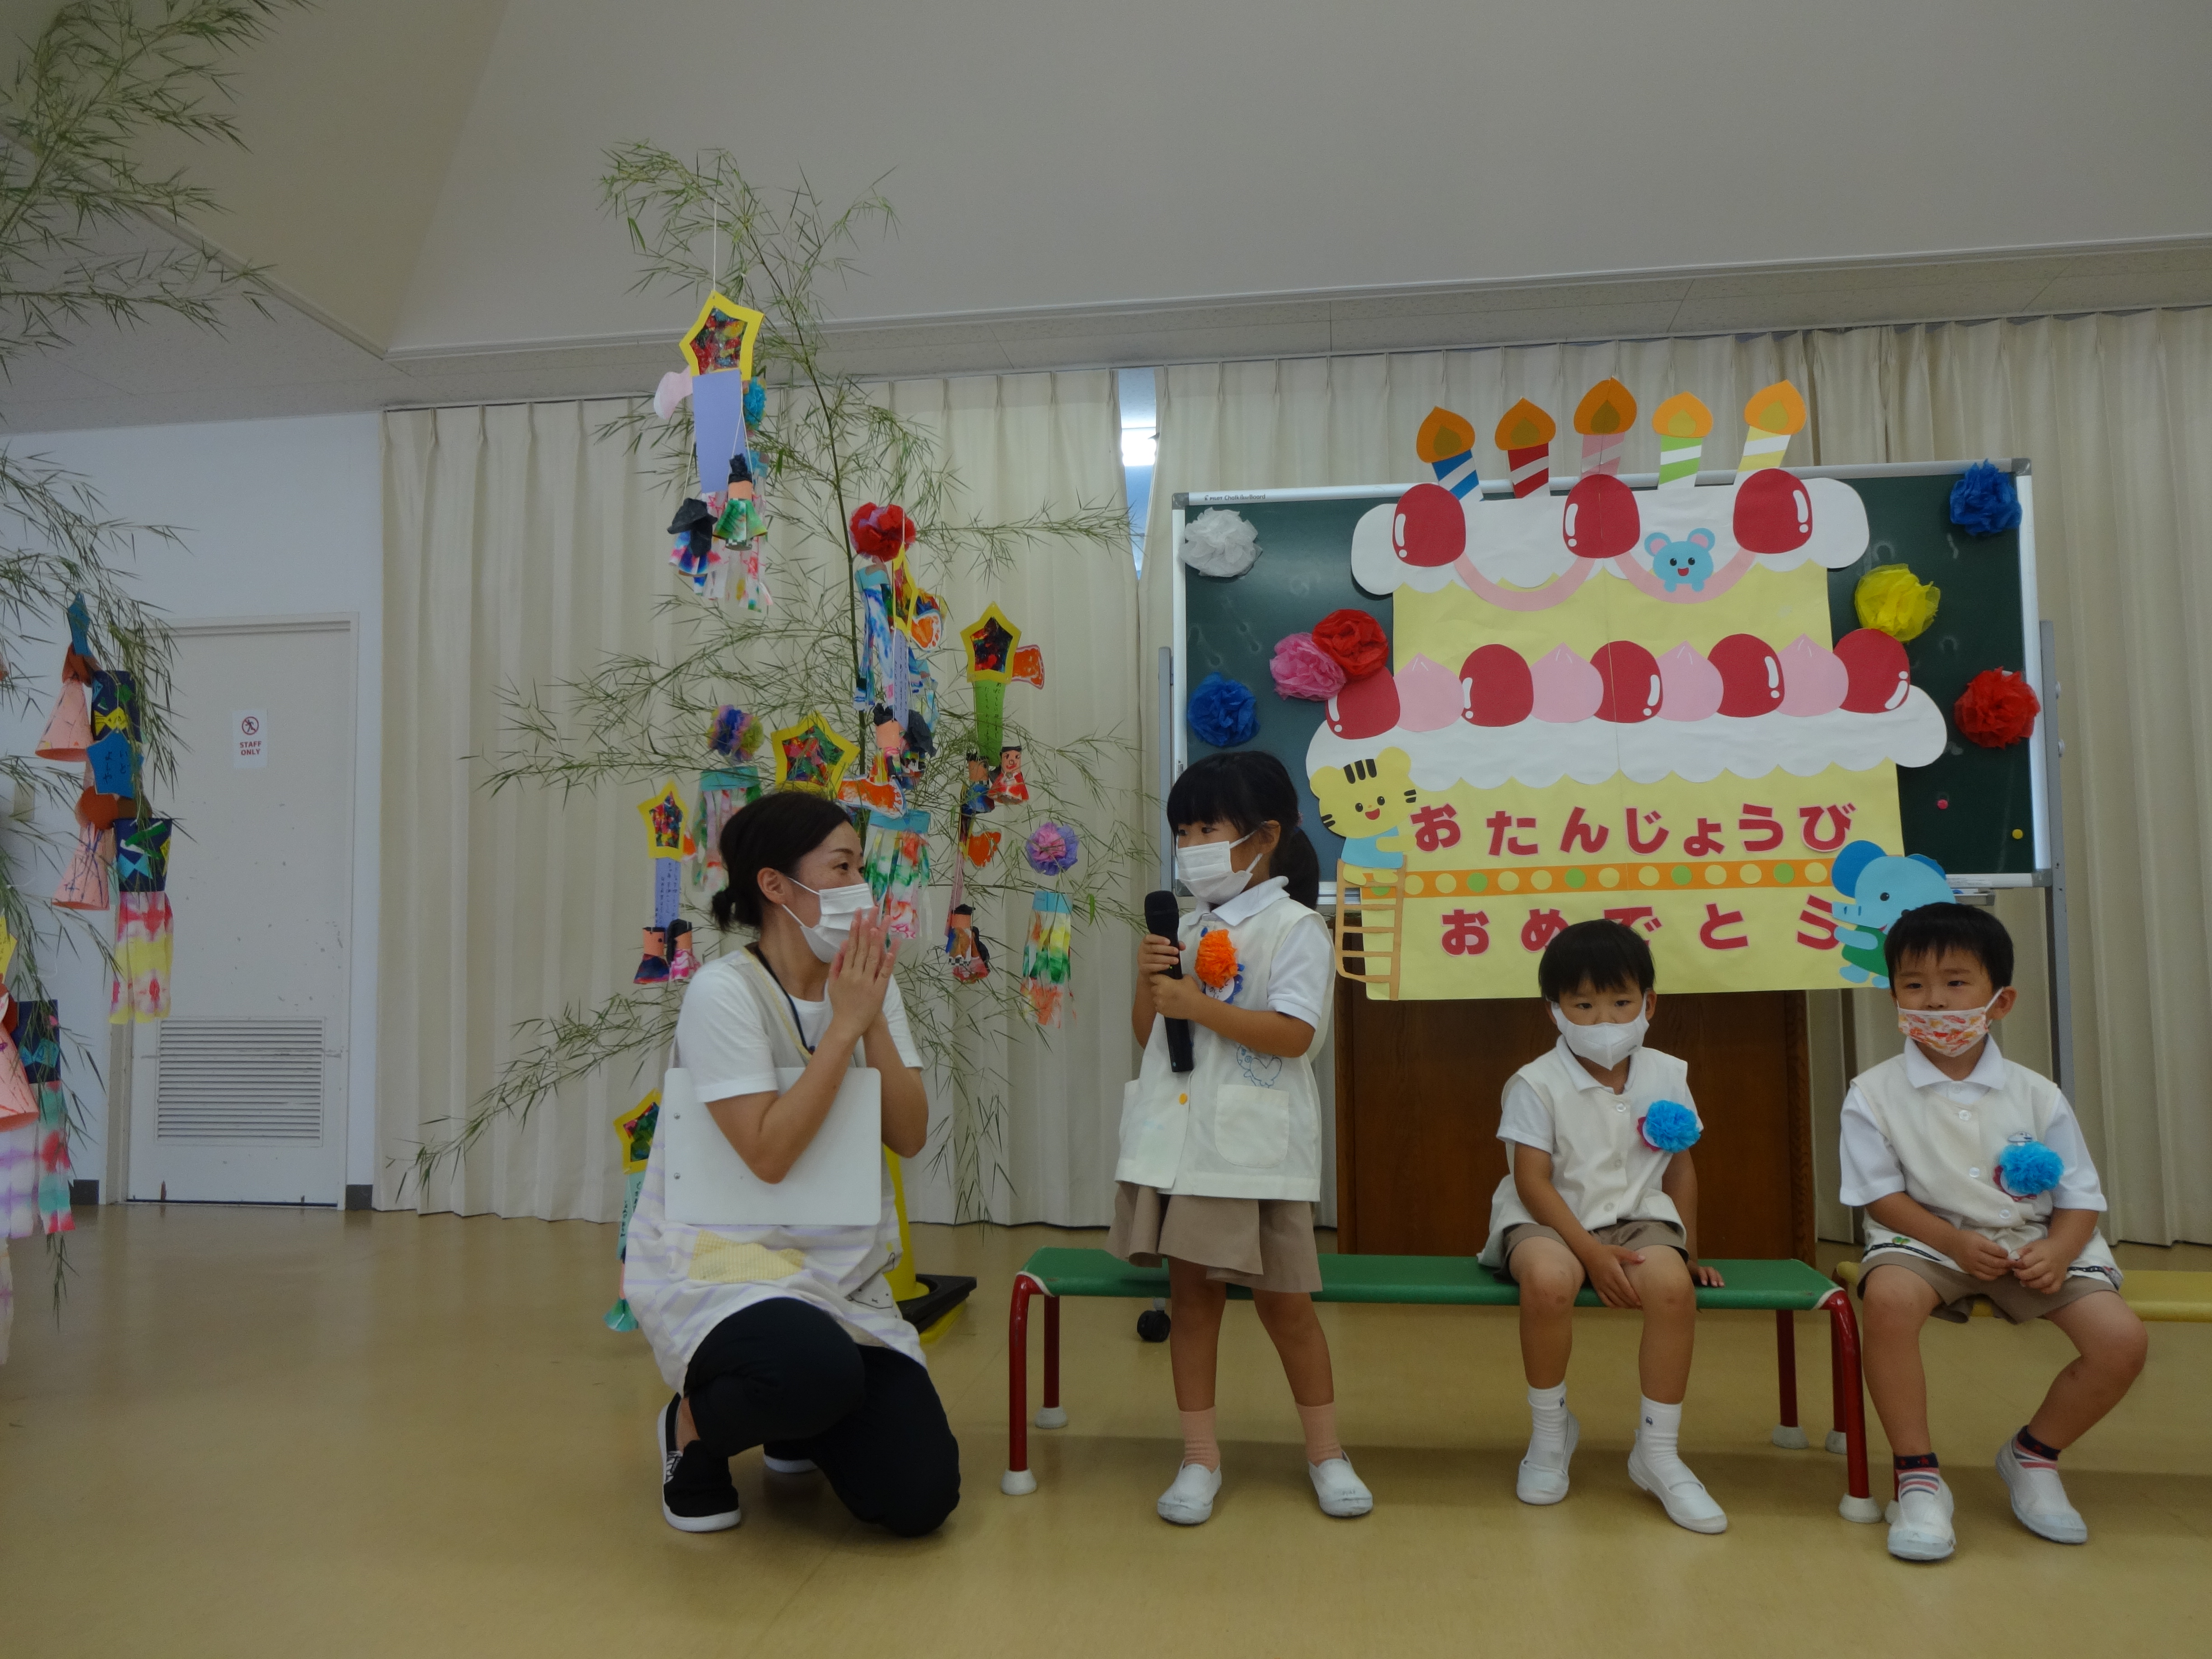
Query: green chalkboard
1972 810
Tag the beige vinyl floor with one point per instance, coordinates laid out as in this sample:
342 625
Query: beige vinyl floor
279 1431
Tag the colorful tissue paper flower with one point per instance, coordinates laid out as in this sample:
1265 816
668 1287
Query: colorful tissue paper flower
1985 501
881 532
1219 543
1215 965
1051 849
1998 708
1303 670
1354 641
1890 599
1222 712
2026 1168
755 400
1668 1127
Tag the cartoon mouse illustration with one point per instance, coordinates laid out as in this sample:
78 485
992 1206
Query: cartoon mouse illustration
1884 887
1676 562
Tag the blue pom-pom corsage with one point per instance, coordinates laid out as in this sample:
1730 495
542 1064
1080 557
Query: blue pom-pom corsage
755 400
1983 501
1222 712
1668 1126
2028 1167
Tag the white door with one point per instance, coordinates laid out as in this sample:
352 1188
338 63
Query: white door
239 1096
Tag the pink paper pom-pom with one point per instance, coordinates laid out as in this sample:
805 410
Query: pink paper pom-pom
1302 669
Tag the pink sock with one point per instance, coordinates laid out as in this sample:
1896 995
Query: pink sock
1320 1424
1199 1445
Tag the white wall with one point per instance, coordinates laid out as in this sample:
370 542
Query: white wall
279 519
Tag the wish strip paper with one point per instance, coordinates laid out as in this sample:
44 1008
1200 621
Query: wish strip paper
1624 703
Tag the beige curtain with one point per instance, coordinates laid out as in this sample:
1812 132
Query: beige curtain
521 550
2116 413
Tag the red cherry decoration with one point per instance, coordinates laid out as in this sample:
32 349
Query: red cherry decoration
1751 675
1600 521
1879 674
1500 690
1429 526
1773 512
1632 682
1364 709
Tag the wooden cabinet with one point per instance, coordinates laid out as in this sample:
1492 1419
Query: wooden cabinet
1417 1094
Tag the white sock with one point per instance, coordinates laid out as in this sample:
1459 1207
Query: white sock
1547 1416
1661 1431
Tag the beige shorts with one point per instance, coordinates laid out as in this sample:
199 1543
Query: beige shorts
1627 1234
1956 1290
1262 1243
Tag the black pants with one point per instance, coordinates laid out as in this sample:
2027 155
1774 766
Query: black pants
782 1373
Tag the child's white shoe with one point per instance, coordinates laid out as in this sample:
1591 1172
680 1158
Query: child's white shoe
2039 1499
1688 1503
1342 1492
1544 1479
1189 1502
1920 1525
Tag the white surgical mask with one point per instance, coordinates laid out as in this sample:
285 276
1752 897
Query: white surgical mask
839 905
1605 1044
1205 870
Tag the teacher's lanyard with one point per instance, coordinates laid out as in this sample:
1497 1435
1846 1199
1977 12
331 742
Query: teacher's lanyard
797 1025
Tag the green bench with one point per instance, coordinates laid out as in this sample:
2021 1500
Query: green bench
1784 1289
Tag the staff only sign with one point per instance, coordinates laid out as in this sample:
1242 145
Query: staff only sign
1628 704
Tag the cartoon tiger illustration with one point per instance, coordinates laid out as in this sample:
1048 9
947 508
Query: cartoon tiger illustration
1368 802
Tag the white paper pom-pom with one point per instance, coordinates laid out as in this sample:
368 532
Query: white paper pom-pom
1219 543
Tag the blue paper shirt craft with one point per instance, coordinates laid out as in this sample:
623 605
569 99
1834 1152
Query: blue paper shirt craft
1985 501
1222 712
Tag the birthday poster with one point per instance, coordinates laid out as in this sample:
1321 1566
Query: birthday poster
1621 703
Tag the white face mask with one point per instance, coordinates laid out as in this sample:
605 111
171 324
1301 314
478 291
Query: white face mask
1206 871
839 905
1605 1044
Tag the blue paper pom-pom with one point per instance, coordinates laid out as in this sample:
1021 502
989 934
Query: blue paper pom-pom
1223 713
2028 1167
755 400
1670 1126
1983 501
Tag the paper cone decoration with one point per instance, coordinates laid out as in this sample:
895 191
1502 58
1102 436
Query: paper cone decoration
1446 443
84 883
1681 422
1525 433
1603 417
69 728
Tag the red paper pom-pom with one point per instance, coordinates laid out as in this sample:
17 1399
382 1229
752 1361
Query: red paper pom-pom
881 532
1998 708
1355 640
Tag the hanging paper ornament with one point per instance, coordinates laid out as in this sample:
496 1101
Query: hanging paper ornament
84 879
1891 598
19 1102
970 958
1354 641
1303 670
881 532
37 1033
664 819
1219 543
145 924
1222 711
19 1180
1007 783
975 799
733 734
669 395
755 401
990 642
634 1131
1985 502
653 959
1045 963
981 847
1028 666
895 863
1998 707
1051 849
722 796
722 337
810 755
69 728
682 965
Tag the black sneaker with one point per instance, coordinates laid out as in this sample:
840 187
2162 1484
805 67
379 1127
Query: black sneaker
695 1493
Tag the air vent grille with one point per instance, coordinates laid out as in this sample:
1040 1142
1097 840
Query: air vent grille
241 1079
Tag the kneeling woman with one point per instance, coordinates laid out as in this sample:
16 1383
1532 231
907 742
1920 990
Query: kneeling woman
787 1337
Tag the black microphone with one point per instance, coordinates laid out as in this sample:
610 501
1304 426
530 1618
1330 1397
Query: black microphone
1162 917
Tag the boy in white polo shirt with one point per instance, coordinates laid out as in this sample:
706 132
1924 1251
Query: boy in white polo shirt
1600 1188
1976 1181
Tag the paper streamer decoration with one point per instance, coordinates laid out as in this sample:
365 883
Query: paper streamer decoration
1603 418
810 755
1770 417
722 795
1446 443
895 862
37 1040
1985 502
145 924
1045 964
720 337
1525 433
1219 543
1681 422
1998 707
1891 598
663 816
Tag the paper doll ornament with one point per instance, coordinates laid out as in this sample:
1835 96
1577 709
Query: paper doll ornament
970 959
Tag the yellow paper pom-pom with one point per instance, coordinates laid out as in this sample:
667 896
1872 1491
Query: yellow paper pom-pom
1892 598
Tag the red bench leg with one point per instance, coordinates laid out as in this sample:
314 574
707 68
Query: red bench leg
1018 1480
1787 1433
1049 1414
1859 1503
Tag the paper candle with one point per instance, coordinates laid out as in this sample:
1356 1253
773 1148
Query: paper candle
1681 422
1446 443
1603 417
1773 413
1525 433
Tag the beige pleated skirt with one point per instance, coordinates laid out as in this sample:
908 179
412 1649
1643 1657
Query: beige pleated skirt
1262 1243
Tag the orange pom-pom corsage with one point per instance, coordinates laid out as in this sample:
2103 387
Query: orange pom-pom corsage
1216 965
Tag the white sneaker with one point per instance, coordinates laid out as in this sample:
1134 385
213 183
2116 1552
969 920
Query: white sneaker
2039 1499
789 1465
1920 1525
1688 1503
1342 1492
1546 1483
1189 1502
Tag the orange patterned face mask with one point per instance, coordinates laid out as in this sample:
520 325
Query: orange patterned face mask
1215 964
1947 1031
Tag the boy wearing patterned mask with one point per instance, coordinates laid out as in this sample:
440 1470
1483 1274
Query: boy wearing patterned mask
1600 1188
1976 1183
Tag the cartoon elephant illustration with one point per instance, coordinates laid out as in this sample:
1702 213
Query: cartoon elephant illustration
1882 886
